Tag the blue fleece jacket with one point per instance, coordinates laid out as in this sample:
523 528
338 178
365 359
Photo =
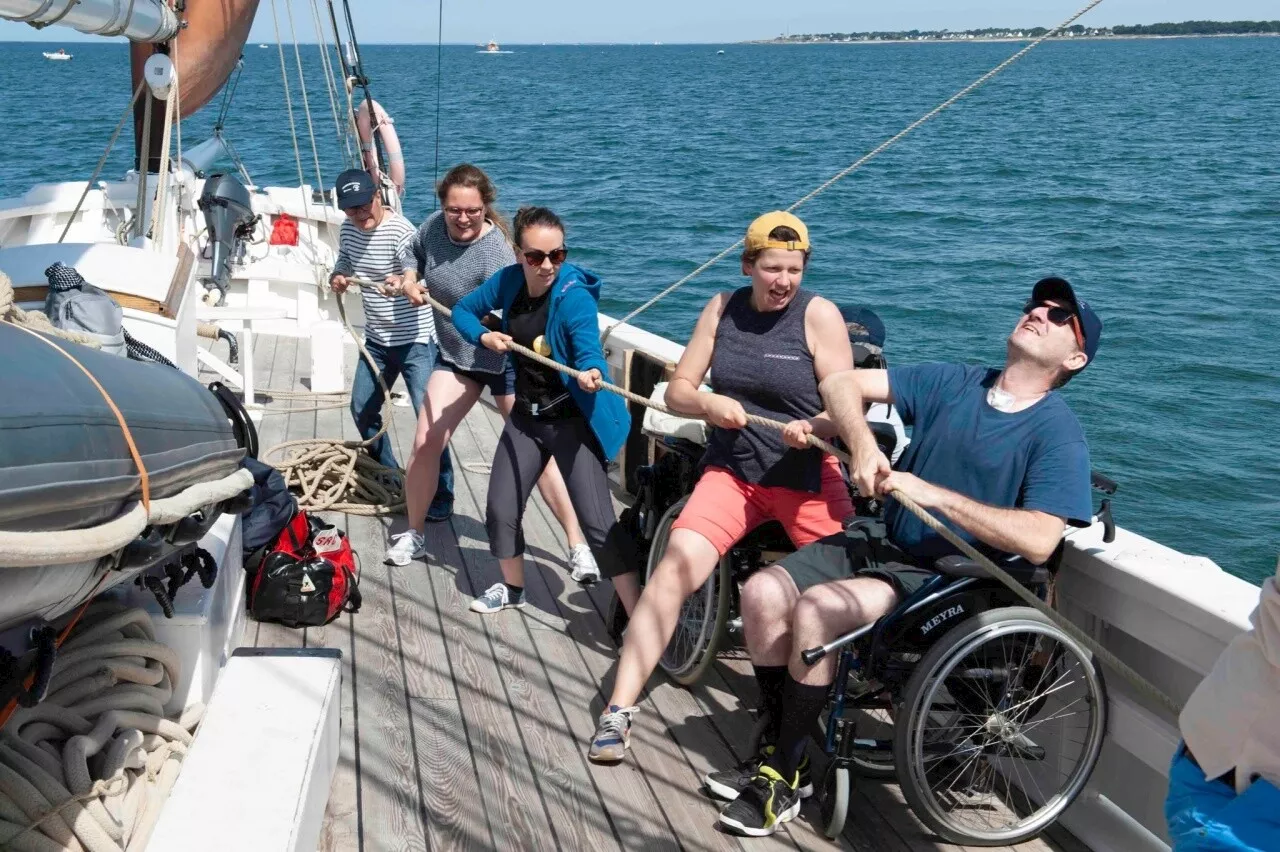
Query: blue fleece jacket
573 333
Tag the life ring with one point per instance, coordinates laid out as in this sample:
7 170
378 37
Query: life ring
390 144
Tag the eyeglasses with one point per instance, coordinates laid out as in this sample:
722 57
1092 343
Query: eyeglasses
1058 316
459 212
361 210
534 257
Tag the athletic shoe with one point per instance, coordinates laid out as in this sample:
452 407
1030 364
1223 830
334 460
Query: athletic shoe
729 783
585 569
441 509
406 547
763 805
497 598
613 735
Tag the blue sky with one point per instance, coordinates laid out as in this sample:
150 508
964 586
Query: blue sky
674 21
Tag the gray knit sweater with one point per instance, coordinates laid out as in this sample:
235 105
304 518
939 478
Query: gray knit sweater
452 270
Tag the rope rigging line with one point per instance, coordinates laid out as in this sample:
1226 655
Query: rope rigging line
102 161
288 100
302 85
322 44
866 158
435 202
1024 593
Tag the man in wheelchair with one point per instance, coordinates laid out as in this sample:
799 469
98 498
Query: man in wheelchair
995 454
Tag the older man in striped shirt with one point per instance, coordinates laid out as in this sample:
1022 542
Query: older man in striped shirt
374 245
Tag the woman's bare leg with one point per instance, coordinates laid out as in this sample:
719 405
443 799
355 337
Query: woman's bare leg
687 563
449 398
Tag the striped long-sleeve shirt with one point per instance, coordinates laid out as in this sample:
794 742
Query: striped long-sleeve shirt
373 255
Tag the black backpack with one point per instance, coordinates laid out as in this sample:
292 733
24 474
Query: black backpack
273 507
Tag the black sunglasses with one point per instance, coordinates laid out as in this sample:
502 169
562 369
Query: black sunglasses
535 257
1058 316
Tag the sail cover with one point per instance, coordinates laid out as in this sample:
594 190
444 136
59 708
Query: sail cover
136 20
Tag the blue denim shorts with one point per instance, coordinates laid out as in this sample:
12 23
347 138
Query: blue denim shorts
499 384
1208 816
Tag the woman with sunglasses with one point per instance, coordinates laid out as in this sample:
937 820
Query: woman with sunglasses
455 251
550 306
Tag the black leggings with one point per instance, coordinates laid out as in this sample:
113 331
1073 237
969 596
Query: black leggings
523 451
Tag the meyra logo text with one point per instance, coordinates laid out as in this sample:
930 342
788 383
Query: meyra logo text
351 187
946 615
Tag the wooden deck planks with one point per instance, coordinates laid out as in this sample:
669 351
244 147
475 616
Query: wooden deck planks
462 731
671 773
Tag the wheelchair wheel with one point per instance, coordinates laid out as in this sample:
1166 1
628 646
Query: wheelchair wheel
836 789
703 615
1000 726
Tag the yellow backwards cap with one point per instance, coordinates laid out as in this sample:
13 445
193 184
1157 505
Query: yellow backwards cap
758 232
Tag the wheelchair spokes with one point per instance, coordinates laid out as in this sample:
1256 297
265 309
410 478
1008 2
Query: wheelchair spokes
981 714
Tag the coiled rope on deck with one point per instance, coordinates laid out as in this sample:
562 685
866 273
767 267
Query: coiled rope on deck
333 475
1026 595
866 158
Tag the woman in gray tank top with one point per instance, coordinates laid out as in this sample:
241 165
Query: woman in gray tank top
767 345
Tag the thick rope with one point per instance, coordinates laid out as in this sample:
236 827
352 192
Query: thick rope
102 161
93 774
875 152
339 476
162 176
1029 597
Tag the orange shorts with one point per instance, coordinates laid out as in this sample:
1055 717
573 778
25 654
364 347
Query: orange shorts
722 508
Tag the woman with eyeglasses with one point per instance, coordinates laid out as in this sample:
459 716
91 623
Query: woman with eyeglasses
550 306
456 250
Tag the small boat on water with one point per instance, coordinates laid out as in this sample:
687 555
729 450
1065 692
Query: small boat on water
58 55
492 47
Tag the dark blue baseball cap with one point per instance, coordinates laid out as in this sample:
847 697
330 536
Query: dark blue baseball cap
863 324
1057 289
355 188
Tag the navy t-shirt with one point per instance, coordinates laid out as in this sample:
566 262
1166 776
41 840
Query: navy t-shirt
1030 459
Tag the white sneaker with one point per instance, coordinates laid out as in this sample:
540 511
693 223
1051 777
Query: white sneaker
585 569
406 547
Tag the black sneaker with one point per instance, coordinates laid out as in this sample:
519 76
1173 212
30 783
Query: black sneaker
763 805
728 783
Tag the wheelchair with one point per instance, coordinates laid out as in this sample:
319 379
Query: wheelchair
988 715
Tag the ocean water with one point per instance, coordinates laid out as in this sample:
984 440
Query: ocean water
1146 172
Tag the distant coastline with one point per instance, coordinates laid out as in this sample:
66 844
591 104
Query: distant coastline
1186 29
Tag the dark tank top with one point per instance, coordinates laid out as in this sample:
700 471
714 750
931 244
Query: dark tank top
763 361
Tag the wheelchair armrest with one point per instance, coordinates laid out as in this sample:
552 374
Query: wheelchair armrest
958 565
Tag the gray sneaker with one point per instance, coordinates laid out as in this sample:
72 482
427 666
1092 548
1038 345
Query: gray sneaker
613 735
585 569
497 598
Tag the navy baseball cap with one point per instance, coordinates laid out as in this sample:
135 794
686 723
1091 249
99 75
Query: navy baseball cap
1057 289
863 324
355 188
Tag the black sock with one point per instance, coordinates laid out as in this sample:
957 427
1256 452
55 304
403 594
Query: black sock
801 706
513 591
770 680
